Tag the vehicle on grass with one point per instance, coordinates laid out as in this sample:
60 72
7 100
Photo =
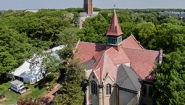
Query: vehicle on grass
17 86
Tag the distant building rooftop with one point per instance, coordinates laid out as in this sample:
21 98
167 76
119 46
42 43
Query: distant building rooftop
173 14
32 10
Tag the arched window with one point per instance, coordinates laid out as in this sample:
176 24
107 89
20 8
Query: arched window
150 91
144 90
108 89
93 88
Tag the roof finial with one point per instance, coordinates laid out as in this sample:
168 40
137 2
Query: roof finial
114 8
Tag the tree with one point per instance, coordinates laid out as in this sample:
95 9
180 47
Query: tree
2 88
124 17
168 37
128 28
14 49
94 29
48 60
42 28
28 101
150 17
68 36
171 20
98 23
75 19
146 32
170 80
71 92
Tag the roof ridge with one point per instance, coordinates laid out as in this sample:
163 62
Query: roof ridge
134 39
140 49
93 43
108 49
96 68
135 71
103 55
137 41
110 77
98 61
109 63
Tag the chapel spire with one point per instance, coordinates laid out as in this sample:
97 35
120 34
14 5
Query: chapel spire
114 33
114 28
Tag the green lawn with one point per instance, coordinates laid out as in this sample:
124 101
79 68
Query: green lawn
34 92
12 96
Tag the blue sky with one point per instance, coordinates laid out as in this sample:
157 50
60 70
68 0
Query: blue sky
60 4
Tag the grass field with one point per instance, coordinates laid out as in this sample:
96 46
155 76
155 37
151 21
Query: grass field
12 97
33 92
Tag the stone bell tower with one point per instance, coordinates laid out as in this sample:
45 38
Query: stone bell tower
88 6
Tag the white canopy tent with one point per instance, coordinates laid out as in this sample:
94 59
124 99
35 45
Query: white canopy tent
33 72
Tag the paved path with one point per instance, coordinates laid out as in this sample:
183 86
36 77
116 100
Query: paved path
49 97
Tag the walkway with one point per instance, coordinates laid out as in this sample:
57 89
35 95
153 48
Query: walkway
49 97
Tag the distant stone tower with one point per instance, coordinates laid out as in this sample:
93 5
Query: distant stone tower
88 6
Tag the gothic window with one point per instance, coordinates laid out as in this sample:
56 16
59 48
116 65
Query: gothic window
93 88
150 91
108 89
144 90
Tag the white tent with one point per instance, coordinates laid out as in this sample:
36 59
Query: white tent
33 72
29 74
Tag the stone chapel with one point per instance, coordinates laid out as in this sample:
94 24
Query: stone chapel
119 72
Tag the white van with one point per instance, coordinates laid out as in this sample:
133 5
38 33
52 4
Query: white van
17 86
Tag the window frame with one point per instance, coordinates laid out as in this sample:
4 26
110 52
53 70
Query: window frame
108 89
94 87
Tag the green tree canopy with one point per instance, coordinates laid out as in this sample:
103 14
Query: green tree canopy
170 80
146 32
94 29
71 92
14 49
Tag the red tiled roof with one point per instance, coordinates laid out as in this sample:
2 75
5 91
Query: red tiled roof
114 28
86 50
107 58
105 66
142 61
117 56
131 42
106 61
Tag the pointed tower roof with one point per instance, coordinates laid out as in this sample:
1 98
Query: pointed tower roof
114 28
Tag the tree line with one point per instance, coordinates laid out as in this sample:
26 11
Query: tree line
24 33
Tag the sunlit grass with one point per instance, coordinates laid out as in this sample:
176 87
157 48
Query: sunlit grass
34 91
